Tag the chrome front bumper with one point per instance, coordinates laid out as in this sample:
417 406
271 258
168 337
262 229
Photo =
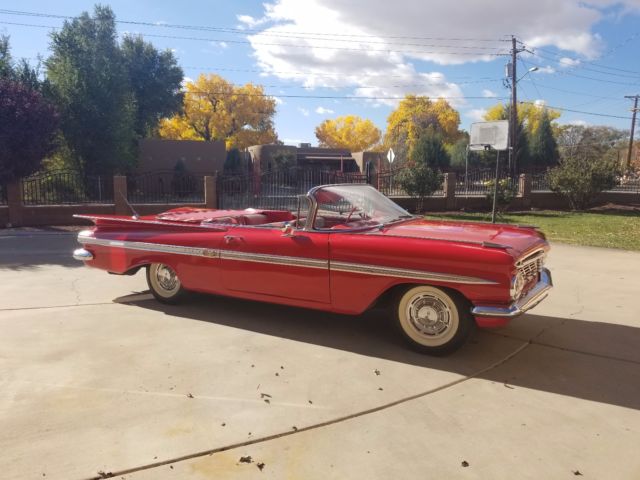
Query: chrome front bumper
530 300
82 254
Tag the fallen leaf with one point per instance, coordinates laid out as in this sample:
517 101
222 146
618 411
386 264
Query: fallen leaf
376 371
576 472
294 428
189 395
263 395
260 465
465 463
246 459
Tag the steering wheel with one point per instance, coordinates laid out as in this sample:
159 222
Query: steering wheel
351 213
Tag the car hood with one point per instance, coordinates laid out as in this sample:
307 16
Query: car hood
518 239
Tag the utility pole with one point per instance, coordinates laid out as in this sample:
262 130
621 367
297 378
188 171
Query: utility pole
633 127
513 121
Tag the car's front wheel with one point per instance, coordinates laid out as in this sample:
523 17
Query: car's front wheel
164 283
433 320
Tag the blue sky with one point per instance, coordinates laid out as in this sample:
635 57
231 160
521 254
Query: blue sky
586 51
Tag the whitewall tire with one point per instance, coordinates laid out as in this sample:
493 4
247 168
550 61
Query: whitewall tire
164 283
433 320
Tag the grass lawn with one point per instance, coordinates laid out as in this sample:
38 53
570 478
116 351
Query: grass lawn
606 228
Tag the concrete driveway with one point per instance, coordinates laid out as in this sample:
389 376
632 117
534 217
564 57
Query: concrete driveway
97 379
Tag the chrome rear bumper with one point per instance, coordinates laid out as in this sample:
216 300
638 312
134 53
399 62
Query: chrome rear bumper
82 254
530 300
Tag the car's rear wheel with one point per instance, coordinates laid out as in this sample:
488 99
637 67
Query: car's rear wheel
164 283
433 320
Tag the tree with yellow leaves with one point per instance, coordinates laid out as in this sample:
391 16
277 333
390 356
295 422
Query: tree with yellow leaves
215 109
416 115
350 132
529 114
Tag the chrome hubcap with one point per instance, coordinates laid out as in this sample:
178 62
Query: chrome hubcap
166 277
429 315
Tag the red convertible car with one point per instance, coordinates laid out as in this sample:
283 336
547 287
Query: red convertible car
344 249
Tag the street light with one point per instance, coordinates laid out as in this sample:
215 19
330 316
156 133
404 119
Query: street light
532 69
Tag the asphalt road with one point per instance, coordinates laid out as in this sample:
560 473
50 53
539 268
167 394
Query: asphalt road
97 378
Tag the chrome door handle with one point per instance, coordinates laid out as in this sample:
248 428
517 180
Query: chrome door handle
231 238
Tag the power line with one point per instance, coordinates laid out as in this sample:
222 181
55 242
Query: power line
290 45
606 54
253 31
583 112
581 66
590 78
319 74
342 97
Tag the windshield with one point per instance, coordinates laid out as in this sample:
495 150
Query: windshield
354 206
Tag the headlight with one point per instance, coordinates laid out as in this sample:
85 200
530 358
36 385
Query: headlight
517 284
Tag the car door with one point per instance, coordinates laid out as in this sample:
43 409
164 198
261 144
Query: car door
266 261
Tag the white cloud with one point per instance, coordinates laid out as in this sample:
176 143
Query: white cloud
354 47
476 114
324 111
303 111
540 103
185 80
220 44
488 93
278 101
579 122
250 22
566 62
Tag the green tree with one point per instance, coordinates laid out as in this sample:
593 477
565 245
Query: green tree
90 85
155 79
423 173
543 145
6 62
588 164
458 152
29 123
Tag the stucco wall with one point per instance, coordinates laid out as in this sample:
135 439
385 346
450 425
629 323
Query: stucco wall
198 157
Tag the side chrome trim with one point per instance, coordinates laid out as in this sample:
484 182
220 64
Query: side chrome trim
363 269
406 273
82 255
151 247
273 259
533 298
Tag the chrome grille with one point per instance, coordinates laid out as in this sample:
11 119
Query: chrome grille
531 265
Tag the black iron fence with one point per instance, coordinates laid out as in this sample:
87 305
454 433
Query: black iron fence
3 194
626 183
390 183
277 189
165 187
61 187
480 182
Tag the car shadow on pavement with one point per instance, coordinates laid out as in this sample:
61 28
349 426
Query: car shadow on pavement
29 250
594 361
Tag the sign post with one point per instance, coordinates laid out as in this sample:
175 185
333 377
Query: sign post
487 136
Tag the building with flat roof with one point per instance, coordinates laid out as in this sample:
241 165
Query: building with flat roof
272 156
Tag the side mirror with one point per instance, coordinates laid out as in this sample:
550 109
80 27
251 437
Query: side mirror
287 230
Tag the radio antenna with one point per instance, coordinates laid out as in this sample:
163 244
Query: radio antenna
135 215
